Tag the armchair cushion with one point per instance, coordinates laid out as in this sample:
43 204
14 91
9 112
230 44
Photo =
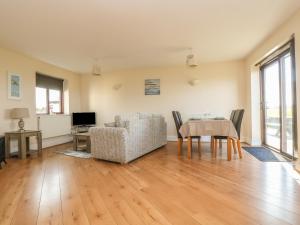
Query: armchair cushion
112 124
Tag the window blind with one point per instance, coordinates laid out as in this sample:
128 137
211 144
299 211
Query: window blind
277 52
44 81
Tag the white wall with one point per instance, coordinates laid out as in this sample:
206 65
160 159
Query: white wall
281 35
27 67
277 38
221 89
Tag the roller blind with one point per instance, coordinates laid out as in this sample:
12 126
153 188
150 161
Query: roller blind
44 81
277 52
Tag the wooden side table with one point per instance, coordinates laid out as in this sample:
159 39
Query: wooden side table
79 136
23 141
2 151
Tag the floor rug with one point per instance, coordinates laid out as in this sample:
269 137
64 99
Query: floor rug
78 154
264 154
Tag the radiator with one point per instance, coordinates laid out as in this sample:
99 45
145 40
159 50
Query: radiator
54 125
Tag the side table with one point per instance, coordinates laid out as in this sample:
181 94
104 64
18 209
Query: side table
2 151
23 141
86 137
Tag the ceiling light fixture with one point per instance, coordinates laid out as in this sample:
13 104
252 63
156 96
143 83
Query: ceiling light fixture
191 59
96 71
117 86
194 82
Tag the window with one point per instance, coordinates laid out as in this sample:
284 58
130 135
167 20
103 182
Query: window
49 94
41 100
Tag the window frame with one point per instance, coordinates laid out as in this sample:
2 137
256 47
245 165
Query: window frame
47 104
61 101
263 64
61 91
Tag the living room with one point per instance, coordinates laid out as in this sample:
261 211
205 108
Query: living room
129 65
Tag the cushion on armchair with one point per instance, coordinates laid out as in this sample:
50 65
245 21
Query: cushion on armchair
121 123
112 124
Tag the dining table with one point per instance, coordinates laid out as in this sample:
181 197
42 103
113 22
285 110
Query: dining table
208 127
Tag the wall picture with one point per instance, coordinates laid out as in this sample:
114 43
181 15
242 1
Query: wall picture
152 87
14 86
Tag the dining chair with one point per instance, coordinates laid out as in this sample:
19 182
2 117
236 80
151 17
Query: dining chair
220 140
178 123
236 117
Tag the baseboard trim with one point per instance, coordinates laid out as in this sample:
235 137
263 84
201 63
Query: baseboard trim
47 142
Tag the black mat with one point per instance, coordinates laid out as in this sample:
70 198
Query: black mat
264 154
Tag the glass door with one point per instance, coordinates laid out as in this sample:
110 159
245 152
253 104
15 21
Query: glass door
279 105
271 108
288 106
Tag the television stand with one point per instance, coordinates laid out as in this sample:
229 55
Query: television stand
81 129
82 137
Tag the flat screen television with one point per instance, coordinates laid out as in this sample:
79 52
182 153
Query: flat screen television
84 119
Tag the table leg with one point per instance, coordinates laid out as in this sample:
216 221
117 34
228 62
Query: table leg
228 149
199 147
27 144
23 146
39 143
179 143
88 144
239 148
189 147
7 146
215 148
74 143
19 147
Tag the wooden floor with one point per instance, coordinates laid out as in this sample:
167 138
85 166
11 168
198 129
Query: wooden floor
158 188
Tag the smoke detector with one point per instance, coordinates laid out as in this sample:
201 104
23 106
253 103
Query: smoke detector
191 59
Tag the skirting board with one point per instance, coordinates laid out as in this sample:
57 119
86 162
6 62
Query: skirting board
47 142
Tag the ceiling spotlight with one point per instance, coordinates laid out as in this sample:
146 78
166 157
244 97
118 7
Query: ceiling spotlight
191 59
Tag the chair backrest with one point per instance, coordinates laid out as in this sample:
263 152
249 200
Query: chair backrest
232 115
178 122
237 120
179 117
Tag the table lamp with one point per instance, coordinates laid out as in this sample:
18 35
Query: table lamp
20 113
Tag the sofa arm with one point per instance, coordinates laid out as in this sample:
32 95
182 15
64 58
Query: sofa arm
109 143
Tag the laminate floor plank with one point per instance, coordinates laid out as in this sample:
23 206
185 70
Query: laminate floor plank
27 210
158 188
50 211
73 211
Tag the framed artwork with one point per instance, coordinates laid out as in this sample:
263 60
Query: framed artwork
152 87
14 86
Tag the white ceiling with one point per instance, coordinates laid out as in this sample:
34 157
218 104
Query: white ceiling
138 33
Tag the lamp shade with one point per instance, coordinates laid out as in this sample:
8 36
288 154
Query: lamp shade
19 113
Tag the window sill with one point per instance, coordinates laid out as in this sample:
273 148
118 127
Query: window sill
58 114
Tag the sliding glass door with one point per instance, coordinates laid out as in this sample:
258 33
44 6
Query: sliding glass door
287 106
279 104
272 124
